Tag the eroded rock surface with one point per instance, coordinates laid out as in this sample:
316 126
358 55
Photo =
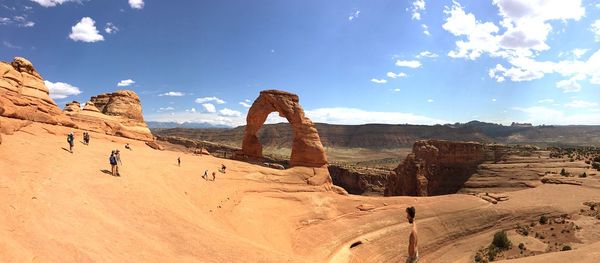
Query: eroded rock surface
307 149
435 167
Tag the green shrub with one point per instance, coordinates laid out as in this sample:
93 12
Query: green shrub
583 175
501 240
521 246
563 172
566 247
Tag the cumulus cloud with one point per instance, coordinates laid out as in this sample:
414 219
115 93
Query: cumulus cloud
396 90
578 52
208 107
359 116
192 110
379 81
568 85
425 29
210 99
544 115
581 104
427 54
396 75
354 15
417 7
229 112
430 100
172 94
52 3
595 27
61 90
136 4
246 103
20 21
408 63
85 31
110 28
125 82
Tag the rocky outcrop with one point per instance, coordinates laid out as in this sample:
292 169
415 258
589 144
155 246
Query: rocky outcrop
436 167
24 96
307 149
73 106
359 180
118 113
154 145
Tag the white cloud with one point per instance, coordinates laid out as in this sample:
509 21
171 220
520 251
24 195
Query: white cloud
192 110
578 52
379 81
169 108
430 100
110 28
396 75
408 63
354 15
136 4
546 101
85 31
568 85
427 54
245 103
581 104
493 100
10 45
208 107
210 99
229 112
396 90
595 27
20 21
52 3
417 7
425 29
172 94
61 90
542 115
359 116
125 82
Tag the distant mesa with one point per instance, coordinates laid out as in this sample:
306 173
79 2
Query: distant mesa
307 149
25 97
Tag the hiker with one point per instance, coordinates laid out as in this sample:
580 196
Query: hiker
205 175
86 138
223 168
213 174
71 140
413 252
118 158
179 161
113 164
127 146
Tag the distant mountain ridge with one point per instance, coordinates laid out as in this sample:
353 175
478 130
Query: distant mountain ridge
191 125
389 136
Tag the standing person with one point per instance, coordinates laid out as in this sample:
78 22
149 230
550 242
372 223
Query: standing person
118 158
223 168
179 161
113 164
413 252
71 140
205 175
213 174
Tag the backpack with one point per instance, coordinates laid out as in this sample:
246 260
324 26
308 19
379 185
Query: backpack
69 138
112 159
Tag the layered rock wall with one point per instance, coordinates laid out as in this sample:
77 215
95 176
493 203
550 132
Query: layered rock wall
437 167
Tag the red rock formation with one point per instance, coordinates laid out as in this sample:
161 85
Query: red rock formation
307 149
118 113
435 167
23 95
73 106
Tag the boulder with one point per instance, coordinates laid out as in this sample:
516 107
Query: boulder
89 106
73 106
307 149
122 103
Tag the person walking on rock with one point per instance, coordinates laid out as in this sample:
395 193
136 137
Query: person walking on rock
113 164
71 140
118 158
205 175
413 252
179 161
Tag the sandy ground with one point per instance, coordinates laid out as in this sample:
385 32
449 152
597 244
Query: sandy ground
63 207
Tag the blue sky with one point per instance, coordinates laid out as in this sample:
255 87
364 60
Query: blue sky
351 62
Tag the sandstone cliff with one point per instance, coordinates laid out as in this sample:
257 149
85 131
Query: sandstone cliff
118 113
436 167
24 98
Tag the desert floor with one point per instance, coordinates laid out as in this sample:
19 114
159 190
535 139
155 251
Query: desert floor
64 207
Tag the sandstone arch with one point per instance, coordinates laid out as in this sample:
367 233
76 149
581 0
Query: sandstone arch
307 149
